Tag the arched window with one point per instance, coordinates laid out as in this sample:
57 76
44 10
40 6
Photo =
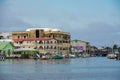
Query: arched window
51 42
18 37
40 47
47 47
47 42
55 47
51 47
55 42
40 42
60 48
24 37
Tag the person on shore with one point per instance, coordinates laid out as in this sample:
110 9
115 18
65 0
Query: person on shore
2 57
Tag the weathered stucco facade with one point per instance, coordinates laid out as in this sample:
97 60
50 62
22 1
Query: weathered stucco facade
54 39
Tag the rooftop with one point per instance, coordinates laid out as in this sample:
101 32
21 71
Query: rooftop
45 29
79 40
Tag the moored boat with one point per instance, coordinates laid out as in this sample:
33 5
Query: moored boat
44 58
58 57
72 56
85 55
111 56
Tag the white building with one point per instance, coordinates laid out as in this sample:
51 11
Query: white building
43 45
79 46
5 35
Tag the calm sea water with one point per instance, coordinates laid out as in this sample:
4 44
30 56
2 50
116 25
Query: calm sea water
94 68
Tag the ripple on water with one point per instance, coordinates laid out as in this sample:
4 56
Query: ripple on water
95 68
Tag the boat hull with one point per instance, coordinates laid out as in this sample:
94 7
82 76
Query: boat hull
57 57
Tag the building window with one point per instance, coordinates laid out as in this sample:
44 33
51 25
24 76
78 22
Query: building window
51 42
51 47
40 47
47 42
69 41
53 36
63 48
40 42
55 42
60 41
20 42
35 41
18 37
1 37
49 36
47 47
55 47
60 48
37 33
24 37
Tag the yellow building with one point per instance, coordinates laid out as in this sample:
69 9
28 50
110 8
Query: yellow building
61 38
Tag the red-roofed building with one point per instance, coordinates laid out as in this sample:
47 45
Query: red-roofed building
44 45
43 39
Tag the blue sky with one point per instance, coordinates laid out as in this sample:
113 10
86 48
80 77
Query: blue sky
95 21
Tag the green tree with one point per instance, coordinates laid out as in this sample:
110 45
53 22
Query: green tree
119 49
115 47
109 49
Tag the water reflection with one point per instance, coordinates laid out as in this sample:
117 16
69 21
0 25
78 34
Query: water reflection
65 69
32 61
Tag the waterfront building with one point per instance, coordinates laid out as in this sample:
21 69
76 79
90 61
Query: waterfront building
7 48
94 49
5 35
43 45
78 46
45 40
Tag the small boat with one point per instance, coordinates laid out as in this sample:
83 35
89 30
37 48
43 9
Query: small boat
111 56
85 55
72 56
35 56
58 57
44 58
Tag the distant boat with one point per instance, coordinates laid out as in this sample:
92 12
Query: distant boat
72 56
85 55
58 57
111 56
44 58
35 56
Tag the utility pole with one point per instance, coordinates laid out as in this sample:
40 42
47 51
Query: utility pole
112 46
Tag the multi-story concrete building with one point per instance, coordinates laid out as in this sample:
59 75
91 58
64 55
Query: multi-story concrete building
51 39
79 46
